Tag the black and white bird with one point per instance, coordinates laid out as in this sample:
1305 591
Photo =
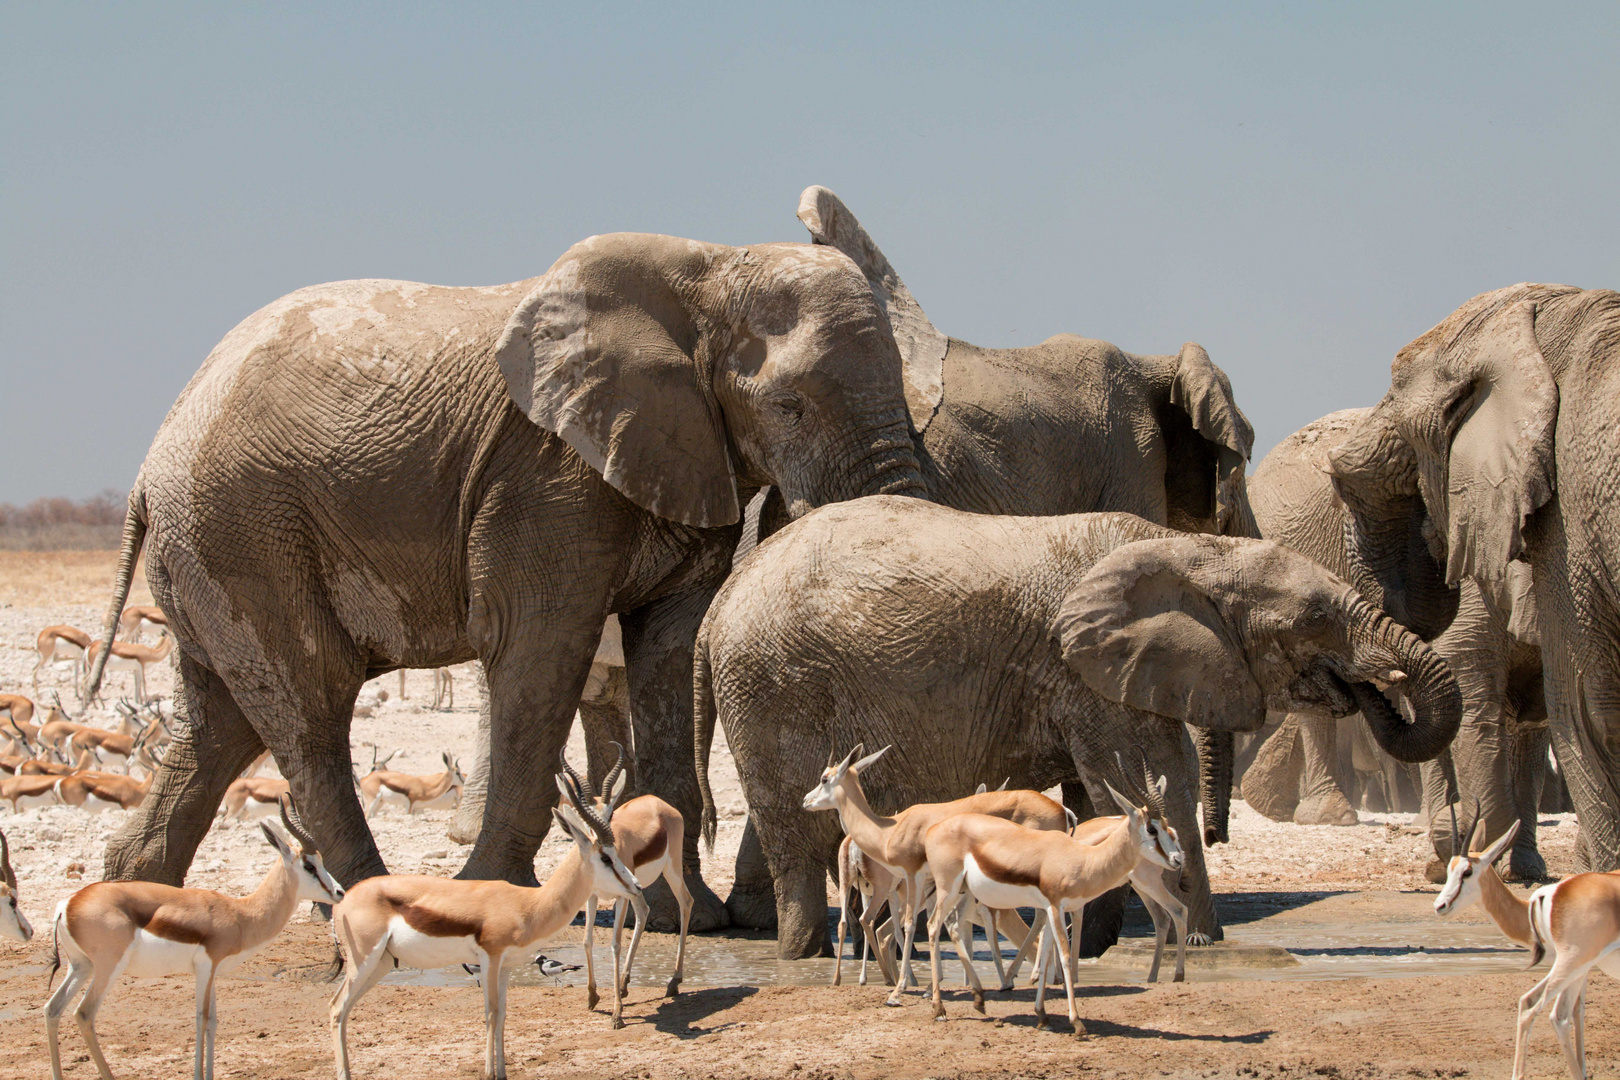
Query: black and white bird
550 968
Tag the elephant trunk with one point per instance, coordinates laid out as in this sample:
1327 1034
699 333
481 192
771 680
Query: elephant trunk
1428 686
1215 753
889 465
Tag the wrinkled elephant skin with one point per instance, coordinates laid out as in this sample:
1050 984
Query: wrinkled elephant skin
374 474
1025 647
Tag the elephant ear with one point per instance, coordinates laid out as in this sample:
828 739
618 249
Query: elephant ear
1204 393
604 353
1143 628
1500 469
922 347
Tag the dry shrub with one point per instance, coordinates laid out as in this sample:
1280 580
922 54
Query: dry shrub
58 524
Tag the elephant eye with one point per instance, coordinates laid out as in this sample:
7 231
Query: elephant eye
788 407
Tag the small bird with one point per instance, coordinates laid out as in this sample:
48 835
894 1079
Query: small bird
550 968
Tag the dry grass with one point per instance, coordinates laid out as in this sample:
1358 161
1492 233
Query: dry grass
58 578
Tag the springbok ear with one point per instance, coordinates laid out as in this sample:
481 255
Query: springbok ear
1204 393
981 789
870 759
1476 839
603 352
922 347
575 832
1141 628
277 841
1500 469
618 789
1130 808
1503 842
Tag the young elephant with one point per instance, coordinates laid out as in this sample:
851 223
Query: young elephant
1029 647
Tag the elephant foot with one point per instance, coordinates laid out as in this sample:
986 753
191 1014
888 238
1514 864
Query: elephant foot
1435 872
752 909
1526 865
664 914
1331 808
493 868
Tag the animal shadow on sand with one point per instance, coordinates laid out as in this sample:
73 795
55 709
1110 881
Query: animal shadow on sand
679 1016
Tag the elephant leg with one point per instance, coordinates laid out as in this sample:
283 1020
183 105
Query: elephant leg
1529 770
752 903
1169 752
604 714
213 743
1322 802
534 684
469 816
1271 783
796 845
658 643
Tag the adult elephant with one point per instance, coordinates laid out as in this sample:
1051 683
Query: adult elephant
1068 426
1301 773
375 474
1025 647
1501 420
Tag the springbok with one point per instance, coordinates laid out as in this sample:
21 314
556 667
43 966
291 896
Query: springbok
133 658
1578 916
25 791
148 930
137 619
13 923
444 689
897 842
252 797
441 791
876 886
988 861
649 835
431 922
58 728
19 711
94 792
61 645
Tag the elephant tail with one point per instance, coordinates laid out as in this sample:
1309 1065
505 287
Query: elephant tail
703 734
129 553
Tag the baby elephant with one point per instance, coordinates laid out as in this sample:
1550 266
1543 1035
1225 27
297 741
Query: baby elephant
1030 647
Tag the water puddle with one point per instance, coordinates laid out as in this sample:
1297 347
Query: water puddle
1282 937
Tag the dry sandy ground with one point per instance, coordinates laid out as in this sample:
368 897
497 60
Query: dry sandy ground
273 1022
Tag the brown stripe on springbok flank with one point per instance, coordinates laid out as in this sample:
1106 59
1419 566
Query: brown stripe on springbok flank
656 845
1020 872
424 920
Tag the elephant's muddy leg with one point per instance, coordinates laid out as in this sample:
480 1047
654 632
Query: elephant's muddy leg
795 844
534 685
213 742
604 716
752 903
470 811
1321 800
1529 768
658 643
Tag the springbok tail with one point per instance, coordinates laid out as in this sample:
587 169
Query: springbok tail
56 944
1540 908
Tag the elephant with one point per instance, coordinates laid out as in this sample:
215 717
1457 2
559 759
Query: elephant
1500 421
1071 425
374 474
1303 770
985 646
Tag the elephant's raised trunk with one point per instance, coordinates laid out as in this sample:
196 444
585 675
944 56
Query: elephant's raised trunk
1429 687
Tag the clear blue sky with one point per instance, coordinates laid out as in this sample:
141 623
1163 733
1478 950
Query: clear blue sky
1300 188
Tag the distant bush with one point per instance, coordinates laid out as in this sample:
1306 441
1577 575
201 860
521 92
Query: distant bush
96 524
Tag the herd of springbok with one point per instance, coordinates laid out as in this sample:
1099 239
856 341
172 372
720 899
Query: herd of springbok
974 861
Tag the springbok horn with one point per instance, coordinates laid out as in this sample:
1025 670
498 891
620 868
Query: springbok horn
583 786
613 773
832 756
295 825
1457 840
1128 788
7 875
598 824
